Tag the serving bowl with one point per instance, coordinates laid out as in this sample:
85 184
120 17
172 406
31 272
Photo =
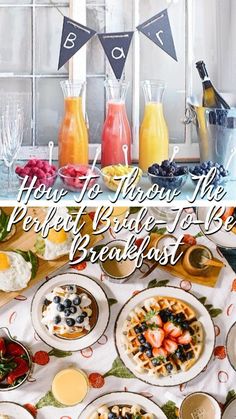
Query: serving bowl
110 173
21 349
48 182
167 182
73 176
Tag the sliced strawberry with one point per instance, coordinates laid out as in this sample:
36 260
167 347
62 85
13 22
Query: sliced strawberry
159 352
172 330
228 212
185 338
155 337
170 346
157 320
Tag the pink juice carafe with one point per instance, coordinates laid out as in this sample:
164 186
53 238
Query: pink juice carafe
116 129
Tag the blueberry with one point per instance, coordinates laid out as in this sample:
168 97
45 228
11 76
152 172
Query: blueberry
79 319
165 315
77 301
141 339
57 299
149 353
187 347
155 362
112 415
67 312
142 348
73 309
138 329
128 416
57 320
70 288
169 367
147 345
70 322
84 314
60 307
144 327
189 355
67 303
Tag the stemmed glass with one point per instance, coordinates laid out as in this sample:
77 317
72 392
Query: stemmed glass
11 135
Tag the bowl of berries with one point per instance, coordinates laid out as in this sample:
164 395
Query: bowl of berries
220 174
45 173
74 177
15 362
168 175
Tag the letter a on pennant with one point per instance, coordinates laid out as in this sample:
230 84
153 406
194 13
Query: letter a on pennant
74 36
116 47
158 30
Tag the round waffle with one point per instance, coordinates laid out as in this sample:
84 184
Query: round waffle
160 337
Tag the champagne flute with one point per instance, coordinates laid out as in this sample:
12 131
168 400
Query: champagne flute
11 135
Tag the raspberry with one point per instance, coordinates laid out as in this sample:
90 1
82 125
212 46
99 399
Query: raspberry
81 266
31 408
41 358
220 352
188 239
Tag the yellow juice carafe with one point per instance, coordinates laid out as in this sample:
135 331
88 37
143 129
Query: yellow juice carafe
154 136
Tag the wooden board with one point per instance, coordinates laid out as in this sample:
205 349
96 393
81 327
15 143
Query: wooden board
209 279
25 241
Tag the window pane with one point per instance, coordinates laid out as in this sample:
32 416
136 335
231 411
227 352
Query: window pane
48 38
22 88
95 107
15 48
49 110
155 64
95 54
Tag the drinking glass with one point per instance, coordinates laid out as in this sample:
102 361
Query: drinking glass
11 135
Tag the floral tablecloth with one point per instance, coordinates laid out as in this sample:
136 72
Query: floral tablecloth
105 371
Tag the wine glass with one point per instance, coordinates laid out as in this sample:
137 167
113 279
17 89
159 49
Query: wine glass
11 135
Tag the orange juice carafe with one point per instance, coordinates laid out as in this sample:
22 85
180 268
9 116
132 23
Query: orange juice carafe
116 129
154 137
73 135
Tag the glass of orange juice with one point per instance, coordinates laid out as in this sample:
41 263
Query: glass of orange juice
70 386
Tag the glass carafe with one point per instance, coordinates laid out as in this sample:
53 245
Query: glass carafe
154 137
73 135
116 129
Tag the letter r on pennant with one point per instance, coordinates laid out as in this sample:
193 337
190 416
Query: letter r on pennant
69 42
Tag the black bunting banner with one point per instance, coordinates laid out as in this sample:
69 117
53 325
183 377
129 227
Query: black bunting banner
158 30
74 37
116 47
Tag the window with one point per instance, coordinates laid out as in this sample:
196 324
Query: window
29 57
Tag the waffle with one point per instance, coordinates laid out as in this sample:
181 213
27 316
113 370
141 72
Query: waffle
121 411
161 313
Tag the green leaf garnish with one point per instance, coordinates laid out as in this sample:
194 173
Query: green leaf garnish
30 257
119 370
155 283
214 312
157 230
170 410
150 315
4 218
230 396
112 301
134 210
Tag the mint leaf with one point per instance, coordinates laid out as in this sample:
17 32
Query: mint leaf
170 410
59 354
48 400
119 370
214 312
157 230
150 315
154 283
230 396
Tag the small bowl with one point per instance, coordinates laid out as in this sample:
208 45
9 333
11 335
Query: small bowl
113 184
76 183
222 182
49 182
167 182
5 333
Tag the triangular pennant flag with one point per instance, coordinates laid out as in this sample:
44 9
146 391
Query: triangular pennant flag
116 47
74 37
158 29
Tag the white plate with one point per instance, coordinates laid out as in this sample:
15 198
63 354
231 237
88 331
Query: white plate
231 346
230 411
103 312
14 410
222 238
201 314
123 397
